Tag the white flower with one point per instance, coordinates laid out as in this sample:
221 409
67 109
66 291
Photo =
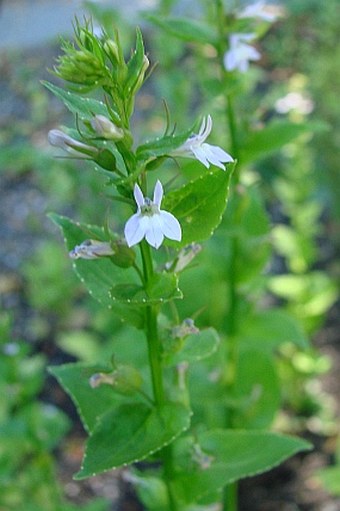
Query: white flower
240 53
195 147
58 138
91 249
260 10
150 221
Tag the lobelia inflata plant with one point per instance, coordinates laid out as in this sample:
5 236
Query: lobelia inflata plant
143 407
122 270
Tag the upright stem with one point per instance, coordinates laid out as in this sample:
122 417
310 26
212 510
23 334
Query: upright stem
230 492
154 348
154 352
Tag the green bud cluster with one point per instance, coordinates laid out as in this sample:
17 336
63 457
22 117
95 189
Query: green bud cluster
92 62
83 62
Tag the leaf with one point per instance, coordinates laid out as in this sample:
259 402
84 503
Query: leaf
74 378
186 29
130 433
271 138
268 329
256 389
231 455
199 205
330 479
313 293
86 108
135 63
162 288
196 347
161 146
98 275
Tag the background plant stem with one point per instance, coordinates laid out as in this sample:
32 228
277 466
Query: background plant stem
230 492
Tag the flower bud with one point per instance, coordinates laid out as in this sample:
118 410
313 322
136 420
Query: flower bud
58 138
106 128
187 327
140 78
125 380
106 160
91 249
123 256
112 50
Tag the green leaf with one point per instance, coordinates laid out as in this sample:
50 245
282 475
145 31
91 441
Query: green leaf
185 29
74 378
196 347
135 63
330 479
230 455
256 389
161 288
271 138
98 275
269 329
86 108
313 293
161 146
130 433
199 205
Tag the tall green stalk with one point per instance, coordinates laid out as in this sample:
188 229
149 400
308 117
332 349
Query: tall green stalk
230 496
155 361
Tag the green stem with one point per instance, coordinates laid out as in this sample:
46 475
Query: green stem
230 492
154 348
230 497
154 352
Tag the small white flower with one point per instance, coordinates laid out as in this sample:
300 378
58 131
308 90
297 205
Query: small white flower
260 10
58 138
91 249
150 221
195 147
240 53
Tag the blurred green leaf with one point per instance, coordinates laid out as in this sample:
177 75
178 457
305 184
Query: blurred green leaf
195 347
271 138
330 479
312 293
256 391
186 29
268 329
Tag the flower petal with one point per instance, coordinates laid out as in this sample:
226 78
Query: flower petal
200 155
154 234
158 194
220 153
135 229
170 226
139 197
216 155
